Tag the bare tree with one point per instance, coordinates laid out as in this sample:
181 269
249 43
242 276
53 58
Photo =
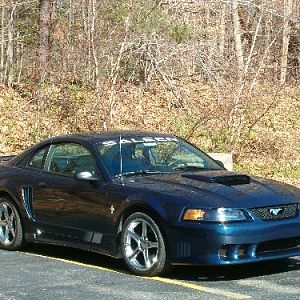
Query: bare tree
237 38
93 45
288 5
222 29
45 23
194 38
10 48
2 42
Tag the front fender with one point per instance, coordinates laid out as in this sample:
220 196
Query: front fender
166 210
7 187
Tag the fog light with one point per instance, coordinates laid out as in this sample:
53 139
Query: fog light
224 252
242 251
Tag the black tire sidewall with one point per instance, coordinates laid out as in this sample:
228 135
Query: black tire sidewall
19 238
162 263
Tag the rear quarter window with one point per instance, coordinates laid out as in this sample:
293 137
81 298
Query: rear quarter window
37 160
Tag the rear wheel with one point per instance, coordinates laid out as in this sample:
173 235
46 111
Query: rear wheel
143 246
11 231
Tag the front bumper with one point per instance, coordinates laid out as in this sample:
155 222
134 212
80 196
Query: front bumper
233 243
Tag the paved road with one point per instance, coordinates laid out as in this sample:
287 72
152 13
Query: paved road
51 272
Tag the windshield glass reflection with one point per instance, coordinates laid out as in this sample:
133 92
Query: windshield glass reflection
152 156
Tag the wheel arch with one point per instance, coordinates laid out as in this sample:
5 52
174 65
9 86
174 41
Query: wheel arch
18 205
6 194
148 210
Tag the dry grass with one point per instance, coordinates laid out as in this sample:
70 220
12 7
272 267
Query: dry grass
266 143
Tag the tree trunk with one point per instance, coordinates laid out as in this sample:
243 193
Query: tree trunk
269 38
10 48
2 43
93 46
45 21
288 4
237 39
222 30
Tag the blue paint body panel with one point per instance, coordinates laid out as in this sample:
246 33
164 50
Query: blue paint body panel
89 215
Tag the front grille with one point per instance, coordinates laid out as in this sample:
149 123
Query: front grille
276 212
277 245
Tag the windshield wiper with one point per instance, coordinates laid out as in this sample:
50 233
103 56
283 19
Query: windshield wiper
138 172
190 168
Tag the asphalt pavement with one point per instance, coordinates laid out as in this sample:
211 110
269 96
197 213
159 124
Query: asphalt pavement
52 272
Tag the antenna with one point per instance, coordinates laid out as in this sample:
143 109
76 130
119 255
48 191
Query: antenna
121 160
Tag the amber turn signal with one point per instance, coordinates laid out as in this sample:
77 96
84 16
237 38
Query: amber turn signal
193 215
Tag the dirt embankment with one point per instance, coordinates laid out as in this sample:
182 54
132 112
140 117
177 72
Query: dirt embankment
262 130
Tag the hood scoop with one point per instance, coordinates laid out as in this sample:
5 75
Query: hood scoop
230 180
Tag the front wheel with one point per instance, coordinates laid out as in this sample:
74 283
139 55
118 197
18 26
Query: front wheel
143 246
11 231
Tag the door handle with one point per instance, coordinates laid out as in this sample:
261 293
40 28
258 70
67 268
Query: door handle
43 184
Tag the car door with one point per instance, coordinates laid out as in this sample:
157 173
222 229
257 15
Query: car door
67 208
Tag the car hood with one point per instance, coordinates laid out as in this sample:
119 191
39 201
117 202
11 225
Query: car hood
217 189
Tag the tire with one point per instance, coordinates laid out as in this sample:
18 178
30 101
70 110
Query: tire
143 246
11 230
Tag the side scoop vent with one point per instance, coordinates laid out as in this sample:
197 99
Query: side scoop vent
27 201
229 180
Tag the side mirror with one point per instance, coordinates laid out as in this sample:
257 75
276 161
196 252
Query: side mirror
86 176
220 163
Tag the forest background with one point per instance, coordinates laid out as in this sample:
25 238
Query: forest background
223 74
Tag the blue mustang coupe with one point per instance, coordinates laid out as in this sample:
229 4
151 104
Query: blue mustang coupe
152 199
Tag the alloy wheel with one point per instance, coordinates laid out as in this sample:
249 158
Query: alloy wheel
141 244
7 224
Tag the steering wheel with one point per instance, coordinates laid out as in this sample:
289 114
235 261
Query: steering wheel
176 165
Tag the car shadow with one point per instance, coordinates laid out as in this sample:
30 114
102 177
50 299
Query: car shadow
236 272
77 255
187 273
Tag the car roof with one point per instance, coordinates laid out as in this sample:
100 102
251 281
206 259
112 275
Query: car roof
86 138
104 135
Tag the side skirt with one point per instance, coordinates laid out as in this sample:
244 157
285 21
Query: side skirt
94 242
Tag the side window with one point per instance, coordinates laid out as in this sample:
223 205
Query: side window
70 158
37 161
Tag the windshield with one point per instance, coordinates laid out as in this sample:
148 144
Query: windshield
148 155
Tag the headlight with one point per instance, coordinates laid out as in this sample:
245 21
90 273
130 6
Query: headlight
215 215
